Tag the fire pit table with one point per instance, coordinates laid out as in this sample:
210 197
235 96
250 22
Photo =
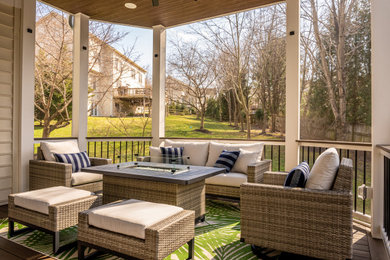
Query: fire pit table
174 184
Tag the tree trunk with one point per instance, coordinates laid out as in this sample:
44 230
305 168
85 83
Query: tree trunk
248 124
46 129
229 101
202 119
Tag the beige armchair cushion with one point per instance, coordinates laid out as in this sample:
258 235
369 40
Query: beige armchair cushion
130 217
79 178
216 149
49 148
324 170
197 151
40 200
231 179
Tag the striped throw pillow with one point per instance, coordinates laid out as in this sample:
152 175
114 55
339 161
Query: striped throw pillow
168 153
78 160
227 159
297 177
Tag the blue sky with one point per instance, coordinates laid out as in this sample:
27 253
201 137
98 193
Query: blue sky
144 42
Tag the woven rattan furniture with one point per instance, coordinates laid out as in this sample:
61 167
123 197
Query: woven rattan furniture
255 174
186 190
59 217
161 239
315 223
45 174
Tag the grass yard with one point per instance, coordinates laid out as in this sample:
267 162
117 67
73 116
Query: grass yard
176 126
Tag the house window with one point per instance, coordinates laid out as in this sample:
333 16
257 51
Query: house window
117 107
140 77
94 111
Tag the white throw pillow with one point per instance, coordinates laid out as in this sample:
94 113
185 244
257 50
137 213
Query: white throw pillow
245 158
216 149
324 170
49 148
197 151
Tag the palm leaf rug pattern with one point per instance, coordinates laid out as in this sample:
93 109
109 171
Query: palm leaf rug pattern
217 238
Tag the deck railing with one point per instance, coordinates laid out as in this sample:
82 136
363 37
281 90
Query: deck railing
124 149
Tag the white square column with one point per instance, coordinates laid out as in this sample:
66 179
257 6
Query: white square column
80 79
24 94
158 84
292 83
380 96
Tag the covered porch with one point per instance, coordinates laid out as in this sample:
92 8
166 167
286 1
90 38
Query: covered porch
17 143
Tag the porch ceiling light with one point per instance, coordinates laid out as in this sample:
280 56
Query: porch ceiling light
130 5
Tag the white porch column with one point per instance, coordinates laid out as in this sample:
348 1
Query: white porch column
158 84
380 96
80 79
24 95
292 83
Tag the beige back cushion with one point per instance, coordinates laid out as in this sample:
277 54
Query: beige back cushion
217 148
49 148
324 170
197 151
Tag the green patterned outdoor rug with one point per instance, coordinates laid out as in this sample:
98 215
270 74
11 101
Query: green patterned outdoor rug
216 238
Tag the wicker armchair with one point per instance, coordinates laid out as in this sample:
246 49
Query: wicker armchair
316 223
44 174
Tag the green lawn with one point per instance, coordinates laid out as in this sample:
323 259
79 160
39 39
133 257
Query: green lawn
176 126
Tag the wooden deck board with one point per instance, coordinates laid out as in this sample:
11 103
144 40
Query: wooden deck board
364 246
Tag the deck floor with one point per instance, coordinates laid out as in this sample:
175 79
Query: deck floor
364 246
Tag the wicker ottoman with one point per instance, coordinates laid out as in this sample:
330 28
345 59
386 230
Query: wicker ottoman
136 229
50 210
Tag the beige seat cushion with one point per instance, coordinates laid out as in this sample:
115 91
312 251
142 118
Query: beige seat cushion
79 178
130 217
231 179
216 149
40 200
197 151
49 148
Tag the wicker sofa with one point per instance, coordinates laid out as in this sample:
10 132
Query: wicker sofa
44 174
205 153
315 223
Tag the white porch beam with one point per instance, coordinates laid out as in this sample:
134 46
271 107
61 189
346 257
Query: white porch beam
158 84
380 96
292 83
80 79
24 94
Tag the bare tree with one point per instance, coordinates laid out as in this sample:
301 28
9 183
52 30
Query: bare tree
195 77
53 66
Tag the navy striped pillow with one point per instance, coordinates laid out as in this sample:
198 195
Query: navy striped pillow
297 177
78 160
227 159
172 152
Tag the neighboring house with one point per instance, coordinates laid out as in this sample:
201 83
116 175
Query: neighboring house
117 85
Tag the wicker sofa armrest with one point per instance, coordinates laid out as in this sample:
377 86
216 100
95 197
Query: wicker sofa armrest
143 159
47 174
274 178
256 170
99 161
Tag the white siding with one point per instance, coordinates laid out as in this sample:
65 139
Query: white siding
6 96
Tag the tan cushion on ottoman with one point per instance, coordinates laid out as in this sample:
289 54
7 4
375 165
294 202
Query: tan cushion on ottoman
79 178
130 217
40 200
228 179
